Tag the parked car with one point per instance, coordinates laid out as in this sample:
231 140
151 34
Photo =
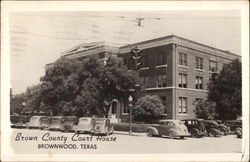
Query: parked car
68 122
56 123
170 128
22 121
101 126
196 127
233 125
39 122
238 132
14 119
212 128
84 125
223 128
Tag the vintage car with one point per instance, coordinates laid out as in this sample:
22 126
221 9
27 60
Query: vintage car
196 127
212 128
14 119
68 123
39 122
233 125
101 126
56 123
84 125
170 128
238 132
223 128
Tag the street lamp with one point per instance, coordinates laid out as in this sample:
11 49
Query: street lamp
130 99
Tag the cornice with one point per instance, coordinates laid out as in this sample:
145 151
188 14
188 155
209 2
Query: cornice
179 42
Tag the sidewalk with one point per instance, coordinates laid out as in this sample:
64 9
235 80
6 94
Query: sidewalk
127 133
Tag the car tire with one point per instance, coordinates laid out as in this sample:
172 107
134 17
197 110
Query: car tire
224 132
171 135
150 133
181 137
194 133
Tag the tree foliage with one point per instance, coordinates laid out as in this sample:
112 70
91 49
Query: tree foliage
148 109
224 94
86 87
205 109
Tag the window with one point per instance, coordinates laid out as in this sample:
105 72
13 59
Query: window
183 80
183 59
199 63
125 109
199 82
161 59
164 103
182 105
144 80
129 64
145 61
162 80
212 66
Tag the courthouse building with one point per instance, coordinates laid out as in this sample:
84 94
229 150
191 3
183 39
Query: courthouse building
174 68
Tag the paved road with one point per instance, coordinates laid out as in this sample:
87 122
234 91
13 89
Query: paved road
118 143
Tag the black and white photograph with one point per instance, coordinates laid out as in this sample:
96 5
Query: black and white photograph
124 81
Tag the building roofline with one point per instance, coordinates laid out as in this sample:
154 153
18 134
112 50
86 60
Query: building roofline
181 38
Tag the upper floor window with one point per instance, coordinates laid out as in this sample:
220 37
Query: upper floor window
199 82
212 66
162 80
183 59
183 80
161 59
164 103
199 63
145 61
182 105
144 80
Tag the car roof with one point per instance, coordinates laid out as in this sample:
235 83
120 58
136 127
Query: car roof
57 116
85 118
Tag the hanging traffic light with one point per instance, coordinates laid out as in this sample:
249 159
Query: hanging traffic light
136 57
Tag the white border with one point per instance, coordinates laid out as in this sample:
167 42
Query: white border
7 153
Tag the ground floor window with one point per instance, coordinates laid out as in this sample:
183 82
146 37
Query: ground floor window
182 105
164 103
125 109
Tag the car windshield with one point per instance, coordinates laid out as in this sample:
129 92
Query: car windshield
55 120
44 119
83 120
99 121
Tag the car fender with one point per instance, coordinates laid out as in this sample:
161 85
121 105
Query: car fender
155 131
216 131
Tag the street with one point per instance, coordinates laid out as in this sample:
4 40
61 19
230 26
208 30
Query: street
25 141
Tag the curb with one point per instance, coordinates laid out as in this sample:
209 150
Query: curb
126 133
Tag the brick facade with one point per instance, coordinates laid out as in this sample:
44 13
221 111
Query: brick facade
195 69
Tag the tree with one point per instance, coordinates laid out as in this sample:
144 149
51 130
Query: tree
148 109
16 103
205 109
224 93
116 81
86 87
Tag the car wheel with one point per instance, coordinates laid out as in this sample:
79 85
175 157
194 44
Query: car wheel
171 135
150 133
195 133
181 137
224 132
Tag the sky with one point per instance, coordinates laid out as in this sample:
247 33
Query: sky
38 38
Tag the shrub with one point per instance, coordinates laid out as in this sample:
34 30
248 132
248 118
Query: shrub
139 128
